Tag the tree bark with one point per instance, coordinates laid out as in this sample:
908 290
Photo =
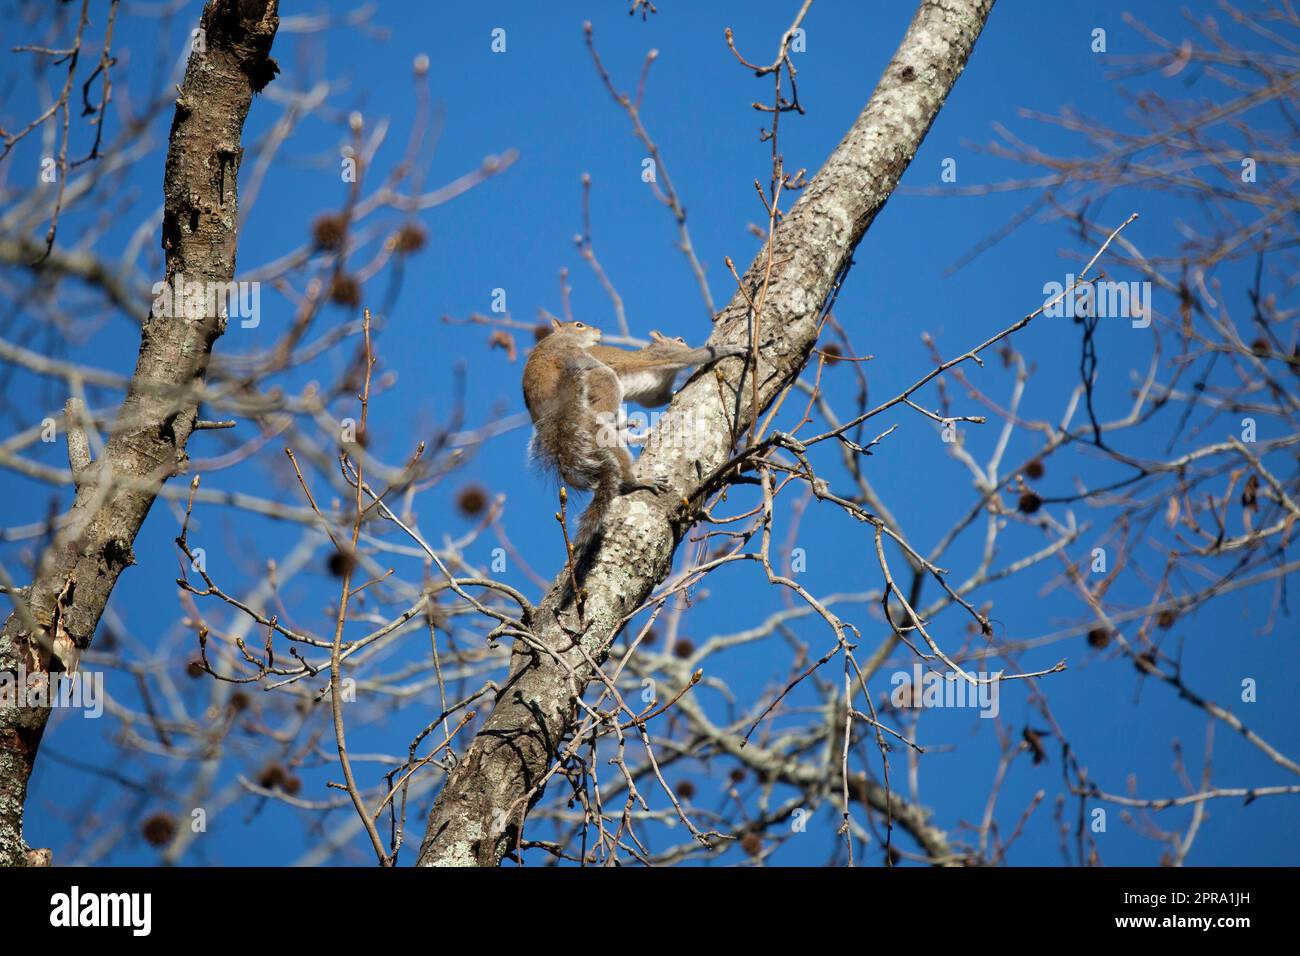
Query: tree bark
56 619
476 818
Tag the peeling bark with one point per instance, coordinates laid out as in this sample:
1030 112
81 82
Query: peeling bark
476 817
62 608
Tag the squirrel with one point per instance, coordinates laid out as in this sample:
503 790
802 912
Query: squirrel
574 389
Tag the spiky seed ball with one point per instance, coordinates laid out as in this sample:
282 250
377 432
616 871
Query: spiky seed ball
411 238
471 500
327 232
158 828
271 776
340 563
345 290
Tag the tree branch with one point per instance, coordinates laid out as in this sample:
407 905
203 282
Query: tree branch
477 817
77 573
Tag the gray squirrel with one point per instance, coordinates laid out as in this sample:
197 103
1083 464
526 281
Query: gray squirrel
574 389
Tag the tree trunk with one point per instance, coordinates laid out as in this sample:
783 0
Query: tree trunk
476 818
230 61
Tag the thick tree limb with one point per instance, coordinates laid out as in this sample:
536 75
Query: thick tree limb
476 818
147 445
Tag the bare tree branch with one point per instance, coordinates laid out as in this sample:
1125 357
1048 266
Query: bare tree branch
478 816
79 570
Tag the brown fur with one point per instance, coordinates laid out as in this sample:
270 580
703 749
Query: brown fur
574 400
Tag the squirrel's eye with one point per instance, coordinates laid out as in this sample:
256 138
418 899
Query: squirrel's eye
578 325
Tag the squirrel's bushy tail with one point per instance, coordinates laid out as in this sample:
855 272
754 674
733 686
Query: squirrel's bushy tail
591 529
592 522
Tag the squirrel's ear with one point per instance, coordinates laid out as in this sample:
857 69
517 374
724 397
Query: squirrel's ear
555 325
656 335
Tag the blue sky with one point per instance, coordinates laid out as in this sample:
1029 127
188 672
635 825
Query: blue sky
543 98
